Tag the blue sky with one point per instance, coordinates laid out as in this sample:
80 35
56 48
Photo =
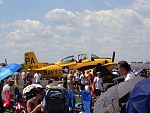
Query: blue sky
54 29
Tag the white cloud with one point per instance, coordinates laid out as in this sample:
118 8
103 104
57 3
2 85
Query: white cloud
141 5
27 25
59 15
101 33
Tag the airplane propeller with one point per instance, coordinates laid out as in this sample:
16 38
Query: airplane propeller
3 64
113 57
5 61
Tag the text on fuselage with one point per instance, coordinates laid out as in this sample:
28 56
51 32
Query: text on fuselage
50 72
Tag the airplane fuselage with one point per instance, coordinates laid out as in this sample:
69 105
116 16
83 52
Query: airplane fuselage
55 70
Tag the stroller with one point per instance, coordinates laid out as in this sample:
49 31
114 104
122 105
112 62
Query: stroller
56 100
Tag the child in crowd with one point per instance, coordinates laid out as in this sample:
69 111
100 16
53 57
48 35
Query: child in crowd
50 84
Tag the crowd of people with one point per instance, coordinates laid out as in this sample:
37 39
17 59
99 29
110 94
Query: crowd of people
71 79
9 98
78 81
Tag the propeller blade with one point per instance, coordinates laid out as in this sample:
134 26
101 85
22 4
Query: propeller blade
113 57
5 61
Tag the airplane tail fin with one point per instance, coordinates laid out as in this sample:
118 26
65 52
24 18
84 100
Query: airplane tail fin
113 57
31 61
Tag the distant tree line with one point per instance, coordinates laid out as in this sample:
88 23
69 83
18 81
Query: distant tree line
136 62
147 62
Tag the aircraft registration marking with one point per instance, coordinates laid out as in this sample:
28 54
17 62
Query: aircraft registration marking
28 60
33 66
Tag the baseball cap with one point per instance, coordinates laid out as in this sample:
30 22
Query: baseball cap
10 80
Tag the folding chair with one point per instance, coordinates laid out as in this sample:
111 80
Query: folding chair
86 104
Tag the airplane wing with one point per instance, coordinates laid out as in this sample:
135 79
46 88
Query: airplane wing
102 69
108 64
139 70
119 79
107 76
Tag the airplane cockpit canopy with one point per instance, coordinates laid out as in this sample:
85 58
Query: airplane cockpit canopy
82 56
68 59
94 56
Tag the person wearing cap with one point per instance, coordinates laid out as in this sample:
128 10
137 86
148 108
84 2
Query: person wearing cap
50 84
29 73
7 87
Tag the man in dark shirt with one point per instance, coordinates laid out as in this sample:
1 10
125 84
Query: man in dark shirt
64 78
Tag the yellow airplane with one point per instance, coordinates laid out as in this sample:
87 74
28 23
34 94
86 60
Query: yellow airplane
55 70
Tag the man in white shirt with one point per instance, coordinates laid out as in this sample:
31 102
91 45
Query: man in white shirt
37 77
125 70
